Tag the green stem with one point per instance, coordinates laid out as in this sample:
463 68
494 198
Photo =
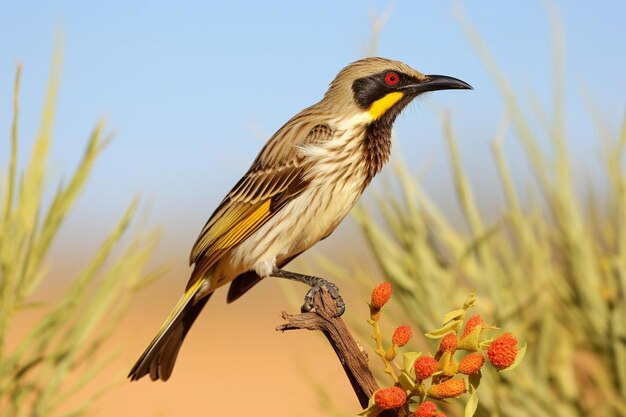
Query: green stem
380 350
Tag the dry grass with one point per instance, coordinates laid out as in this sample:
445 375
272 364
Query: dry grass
551 268
63 352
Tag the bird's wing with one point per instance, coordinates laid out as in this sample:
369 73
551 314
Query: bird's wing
275 178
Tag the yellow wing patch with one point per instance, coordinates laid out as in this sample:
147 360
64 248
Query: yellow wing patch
380 106
275 178
241 229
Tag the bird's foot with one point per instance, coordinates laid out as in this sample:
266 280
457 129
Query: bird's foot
316 284
332 290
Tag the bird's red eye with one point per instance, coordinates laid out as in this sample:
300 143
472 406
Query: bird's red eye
391 78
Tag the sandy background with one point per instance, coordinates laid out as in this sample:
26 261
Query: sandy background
233 361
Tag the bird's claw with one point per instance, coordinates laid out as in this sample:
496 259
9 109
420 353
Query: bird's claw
334 293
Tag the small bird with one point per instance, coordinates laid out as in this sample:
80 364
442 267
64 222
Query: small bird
299 188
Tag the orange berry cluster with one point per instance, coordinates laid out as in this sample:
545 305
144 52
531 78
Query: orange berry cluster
401 336
388 398
380 295
502 351
437 377
428 409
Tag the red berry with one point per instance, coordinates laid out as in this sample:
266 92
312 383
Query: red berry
472 323
503 351
387 398
426 409
471 363
448 343
425 367
447 389
381 294
401 336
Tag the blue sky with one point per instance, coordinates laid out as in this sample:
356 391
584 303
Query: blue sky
193 88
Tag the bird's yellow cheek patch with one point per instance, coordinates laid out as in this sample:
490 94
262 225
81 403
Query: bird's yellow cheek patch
380 106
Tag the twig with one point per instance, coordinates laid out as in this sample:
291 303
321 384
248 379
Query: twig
350 354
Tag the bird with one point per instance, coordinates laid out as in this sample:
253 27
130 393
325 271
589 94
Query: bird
301 185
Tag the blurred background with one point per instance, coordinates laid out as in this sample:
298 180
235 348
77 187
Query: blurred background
191 90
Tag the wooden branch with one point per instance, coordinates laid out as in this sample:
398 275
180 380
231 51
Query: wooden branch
352 357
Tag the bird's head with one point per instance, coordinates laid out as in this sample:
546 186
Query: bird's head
380 88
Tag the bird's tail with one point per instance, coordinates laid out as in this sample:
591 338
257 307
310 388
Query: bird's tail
159 358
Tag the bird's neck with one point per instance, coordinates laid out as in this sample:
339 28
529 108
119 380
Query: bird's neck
377 145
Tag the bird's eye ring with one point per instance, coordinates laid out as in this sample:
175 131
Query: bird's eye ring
391 78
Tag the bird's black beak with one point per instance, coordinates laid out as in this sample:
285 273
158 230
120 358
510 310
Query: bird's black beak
439 82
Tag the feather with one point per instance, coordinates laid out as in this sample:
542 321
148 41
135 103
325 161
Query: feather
276 177
159 357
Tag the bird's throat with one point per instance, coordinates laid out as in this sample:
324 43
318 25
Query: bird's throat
377 145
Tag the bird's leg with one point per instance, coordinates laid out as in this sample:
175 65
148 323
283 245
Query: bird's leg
316 283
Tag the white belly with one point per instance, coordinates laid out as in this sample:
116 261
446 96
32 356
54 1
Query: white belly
299 225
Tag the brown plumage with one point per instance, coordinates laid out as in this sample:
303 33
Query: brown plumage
301 185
